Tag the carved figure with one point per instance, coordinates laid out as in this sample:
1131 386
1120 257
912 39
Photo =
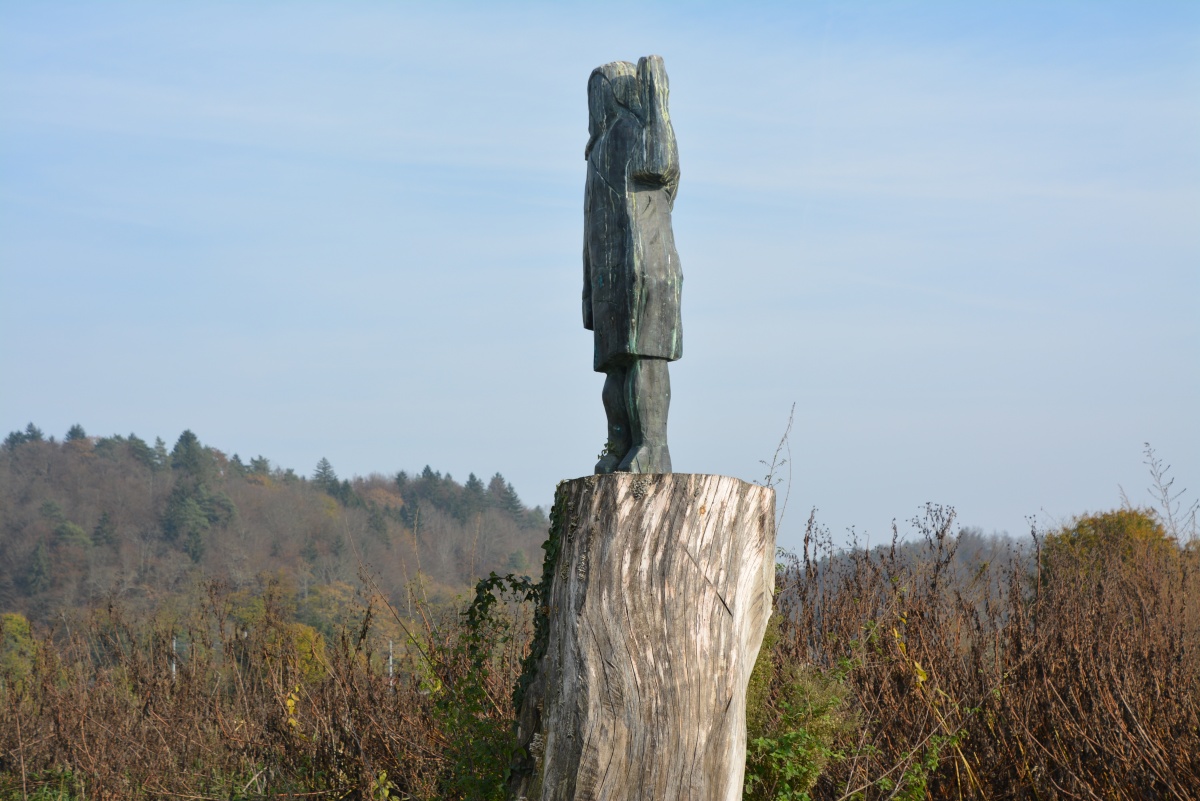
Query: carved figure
631 274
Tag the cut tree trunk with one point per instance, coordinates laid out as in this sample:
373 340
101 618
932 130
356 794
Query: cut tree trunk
659 595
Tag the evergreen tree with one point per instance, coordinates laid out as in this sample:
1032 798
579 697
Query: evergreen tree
193 507
105 532
75 433
37 577
31 434
160 452
518 561
190 457
260 466
505 497
325 477
194 545
474 497
496 488
51 511
377 523
184 517
511 502
140 450
68 533
111 447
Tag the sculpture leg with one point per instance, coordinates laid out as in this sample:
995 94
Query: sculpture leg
648 397
619 437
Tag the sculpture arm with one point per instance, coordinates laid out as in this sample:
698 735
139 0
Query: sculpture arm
587 289
657 161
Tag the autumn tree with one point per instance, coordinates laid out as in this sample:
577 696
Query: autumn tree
1125 541
17 648
1121 532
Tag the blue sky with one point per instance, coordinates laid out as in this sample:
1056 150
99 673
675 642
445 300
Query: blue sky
963 238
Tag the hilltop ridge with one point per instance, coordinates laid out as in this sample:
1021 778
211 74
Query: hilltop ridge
89 521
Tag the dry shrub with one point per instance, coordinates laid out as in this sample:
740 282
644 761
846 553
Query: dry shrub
1070 668
255 707
1067 669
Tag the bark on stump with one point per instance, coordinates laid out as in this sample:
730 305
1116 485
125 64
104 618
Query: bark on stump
659 595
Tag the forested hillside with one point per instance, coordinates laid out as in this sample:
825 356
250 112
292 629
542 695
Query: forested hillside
89 521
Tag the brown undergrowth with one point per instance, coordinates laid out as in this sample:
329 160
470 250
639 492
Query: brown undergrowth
248 706
1067 669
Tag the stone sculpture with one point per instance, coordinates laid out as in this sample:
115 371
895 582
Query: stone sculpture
631 274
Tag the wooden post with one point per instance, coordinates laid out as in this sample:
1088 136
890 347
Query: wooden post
659 597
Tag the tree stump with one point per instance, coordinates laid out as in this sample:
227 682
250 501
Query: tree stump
660 587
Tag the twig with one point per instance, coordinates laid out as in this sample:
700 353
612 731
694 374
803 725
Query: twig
21 754
770 480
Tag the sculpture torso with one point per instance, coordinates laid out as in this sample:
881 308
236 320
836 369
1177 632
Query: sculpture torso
631 264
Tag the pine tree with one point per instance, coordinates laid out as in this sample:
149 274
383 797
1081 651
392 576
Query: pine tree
505 497
142 452
473 497
194 546
31 434
325 477
51 511
105 532
160 452
511 502
190 457
183 514
193 507
75 433
37 577
68 533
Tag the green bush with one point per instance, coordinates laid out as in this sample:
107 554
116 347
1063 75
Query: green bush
797 723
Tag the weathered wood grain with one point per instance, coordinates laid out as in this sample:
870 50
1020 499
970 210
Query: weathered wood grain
661 592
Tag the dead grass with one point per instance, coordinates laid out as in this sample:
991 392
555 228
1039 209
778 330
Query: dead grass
247 711
1049 673
1044 672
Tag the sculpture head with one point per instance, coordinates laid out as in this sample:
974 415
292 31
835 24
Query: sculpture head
611 88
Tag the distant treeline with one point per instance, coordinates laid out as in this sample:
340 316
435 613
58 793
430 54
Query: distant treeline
88 521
